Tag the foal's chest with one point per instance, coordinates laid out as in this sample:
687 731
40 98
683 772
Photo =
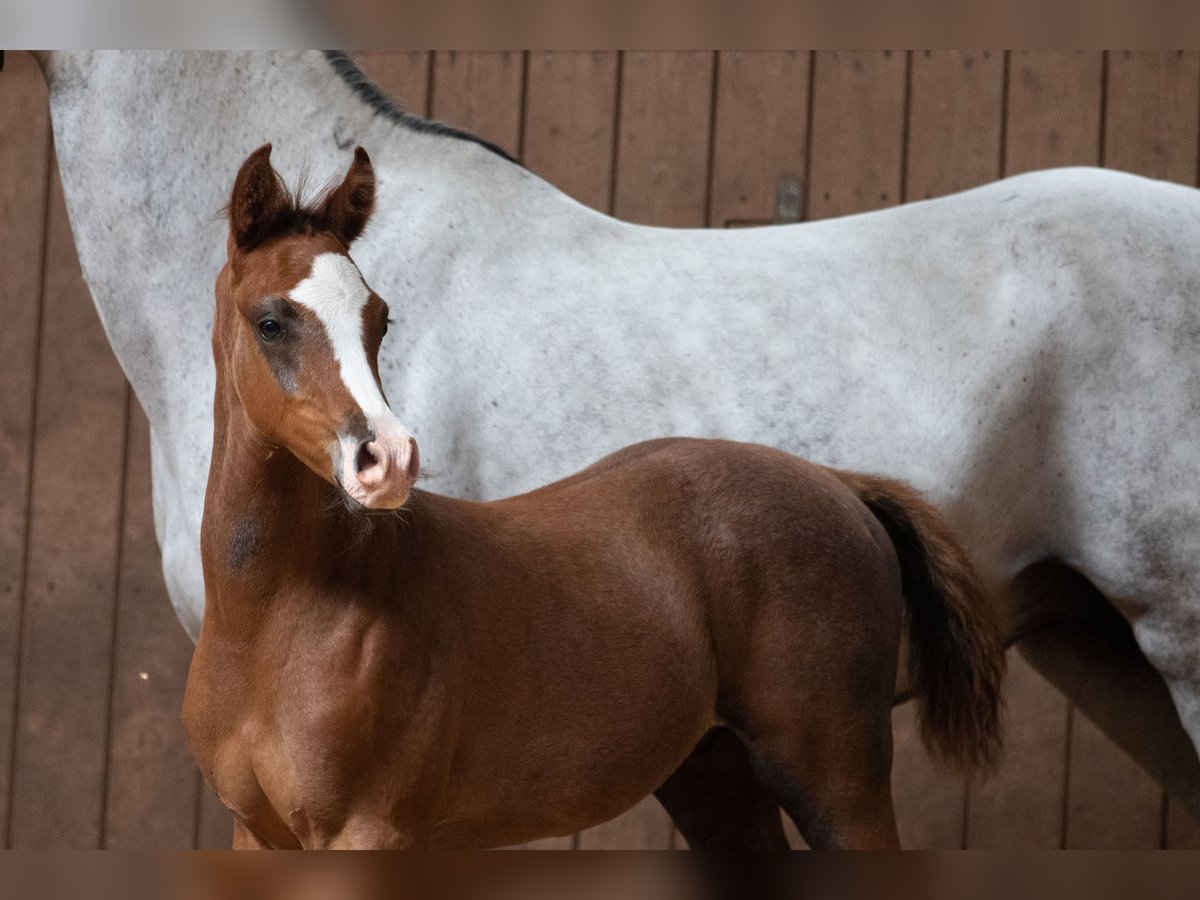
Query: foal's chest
332 743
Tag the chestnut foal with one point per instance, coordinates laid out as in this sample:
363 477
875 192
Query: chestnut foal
457 674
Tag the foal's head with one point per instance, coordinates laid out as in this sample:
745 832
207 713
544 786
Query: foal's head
297 332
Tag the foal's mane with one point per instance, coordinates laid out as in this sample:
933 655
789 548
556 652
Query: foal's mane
369 93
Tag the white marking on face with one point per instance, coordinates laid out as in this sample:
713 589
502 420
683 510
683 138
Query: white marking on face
335 291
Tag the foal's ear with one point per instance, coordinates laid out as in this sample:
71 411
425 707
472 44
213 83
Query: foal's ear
259 198
349 205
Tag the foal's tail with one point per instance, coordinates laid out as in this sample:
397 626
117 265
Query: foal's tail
956 656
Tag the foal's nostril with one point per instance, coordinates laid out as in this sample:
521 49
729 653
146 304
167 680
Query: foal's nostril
414 460
364 459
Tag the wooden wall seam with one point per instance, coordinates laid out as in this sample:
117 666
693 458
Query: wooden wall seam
24 77
106 771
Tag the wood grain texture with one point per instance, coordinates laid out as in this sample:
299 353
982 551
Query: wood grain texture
760 131
151 798
481 92
858 131
403 75
930 800
1021 806
662 164
1151 113
568 842
955 104
24 169
1182 831
645 827
214 824
62 733
1053 109
1112 803
570 116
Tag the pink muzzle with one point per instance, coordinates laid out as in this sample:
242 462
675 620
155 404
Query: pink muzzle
379 474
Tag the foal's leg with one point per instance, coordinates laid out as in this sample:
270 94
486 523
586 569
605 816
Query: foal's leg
1078 642
244 839
818 728
717 803
813 703
833 777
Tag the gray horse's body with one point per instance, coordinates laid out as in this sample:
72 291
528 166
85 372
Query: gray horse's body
1025 353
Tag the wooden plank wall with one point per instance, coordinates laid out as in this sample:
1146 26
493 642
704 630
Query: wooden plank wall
92 661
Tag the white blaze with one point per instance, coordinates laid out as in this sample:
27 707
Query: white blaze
335 291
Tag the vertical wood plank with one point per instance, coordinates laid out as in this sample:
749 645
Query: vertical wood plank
645 827
24 169
566 842
955 118
570 115
930 801
1053 109
403 75
151 778
1150 120
481 92
759 133
67 641
793 833
1054 115
1021 806
857 131
662 164
214 824
1183 832
1112 803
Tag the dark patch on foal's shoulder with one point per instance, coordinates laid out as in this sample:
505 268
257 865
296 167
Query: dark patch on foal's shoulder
245 540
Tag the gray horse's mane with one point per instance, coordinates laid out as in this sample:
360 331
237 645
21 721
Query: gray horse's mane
383 105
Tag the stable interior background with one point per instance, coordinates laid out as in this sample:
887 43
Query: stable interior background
92 660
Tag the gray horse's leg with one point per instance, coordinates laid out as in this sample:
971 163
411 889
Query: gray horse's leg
1082 645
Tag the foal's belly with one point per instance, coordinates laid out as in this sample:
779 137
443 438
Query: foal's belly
570 778
549 749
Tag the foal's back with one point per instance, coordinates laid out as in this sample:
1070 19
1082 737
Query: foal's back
730 540
722 498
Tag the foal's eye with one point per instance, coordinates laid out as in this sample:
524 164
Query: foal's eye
270 330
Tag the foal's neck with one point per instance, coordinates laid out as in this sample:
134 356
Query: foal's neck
272 525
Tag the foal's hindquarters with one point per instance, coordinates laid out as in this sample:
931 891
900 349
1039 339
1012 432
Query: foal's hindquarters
485 674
